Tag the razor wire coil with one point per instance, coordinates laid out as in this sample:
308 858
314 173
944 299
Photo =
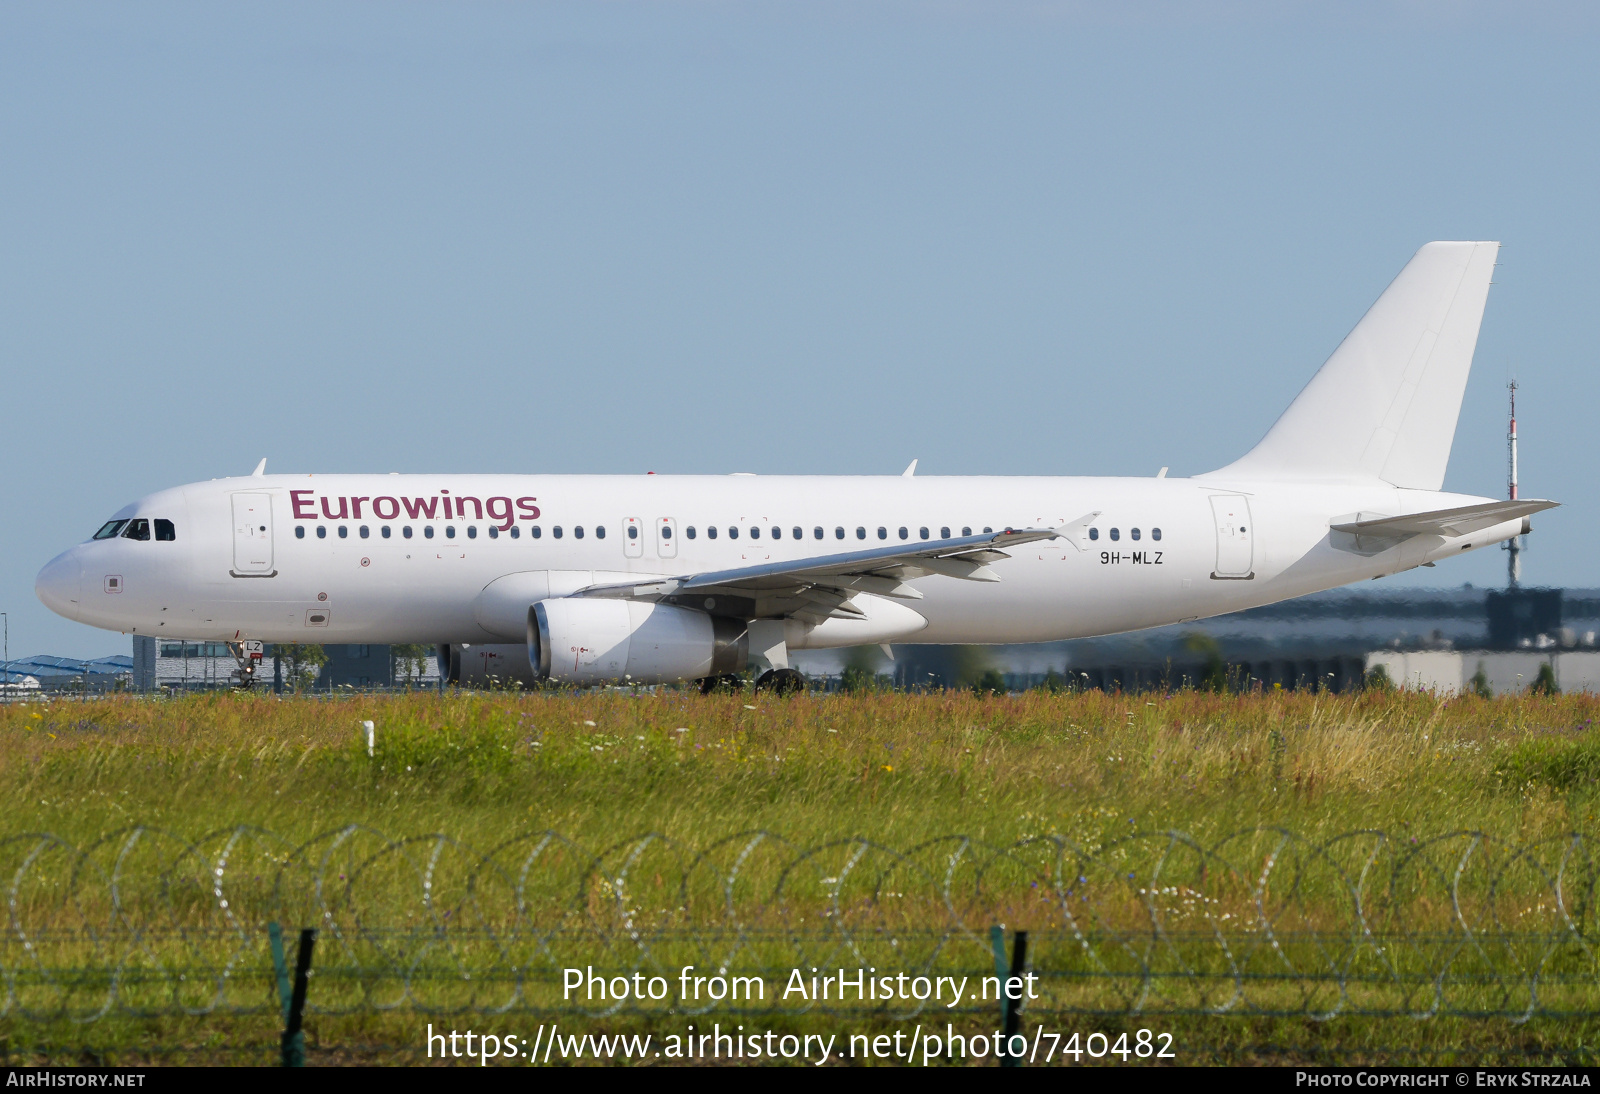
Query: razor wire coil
1262 921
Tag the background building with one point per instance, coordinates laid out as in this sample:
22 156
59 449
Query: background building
1326 640
52 674
1447 640
160 663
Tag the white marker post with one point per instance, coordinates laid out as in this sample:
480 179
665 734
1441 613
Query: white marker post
367 727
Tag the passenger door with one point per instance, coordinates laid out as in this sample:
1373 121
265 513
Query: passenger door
1235 536
252 535
633 538
666 537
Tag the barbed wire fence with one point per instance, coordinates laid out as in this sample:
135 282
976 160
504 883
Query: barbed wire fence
1259 924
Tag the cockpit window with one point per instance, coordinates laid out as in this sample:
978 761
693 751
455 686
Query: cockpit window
109 529
165 530
137 529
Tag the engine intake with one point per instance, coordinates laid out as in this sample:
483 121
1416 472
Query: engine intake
583 641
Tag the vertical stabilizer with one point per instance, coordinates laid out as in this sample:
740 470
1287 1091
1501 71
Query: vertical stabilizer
1385 404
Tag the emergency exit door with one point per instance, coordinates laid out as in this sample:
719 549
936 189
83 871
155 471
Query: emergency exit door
1235 536
252 535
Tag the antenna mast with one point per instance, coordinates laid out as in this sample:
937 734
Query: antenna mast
1514 544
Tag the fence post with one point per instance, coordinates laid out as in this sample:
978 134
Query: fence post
997 942
280 967
294 1005
1019 965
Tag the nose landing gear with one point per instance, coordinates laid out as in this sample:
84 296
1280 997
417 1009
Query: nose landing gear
248 657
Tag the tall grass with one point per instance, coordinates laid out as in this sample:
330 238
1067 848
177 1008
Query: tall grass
899 768
1099 772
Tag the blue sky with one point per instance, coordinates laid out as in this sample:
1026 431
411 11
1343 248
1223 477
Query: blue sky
707 237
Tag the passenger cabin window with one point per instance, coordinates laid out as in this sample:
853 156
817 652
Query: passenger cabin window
385 531
137 529
922 533
816 533
165 530
904 533
322 531
1115 535
299 531
690 531
494 531
944 533
344 533
449 531
666 531
777 533
861 533
577 531
366 533
406 531
516 532
966 531
755 533
1094 533
838 533
109 529
798 534
427 531
1155 534
711 532
599 531
1133 533
987 529
633 531
883 533
472 531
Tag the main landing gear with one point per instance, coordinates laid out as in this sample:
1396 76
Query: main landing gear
781 682
725 685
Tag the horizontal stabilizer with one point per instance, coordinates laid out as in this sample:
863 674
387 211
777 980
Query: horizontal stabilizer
1446 522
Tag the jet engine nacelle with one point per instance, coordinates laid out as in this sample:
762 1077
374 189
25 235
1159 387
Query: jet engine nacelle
597 641
485 665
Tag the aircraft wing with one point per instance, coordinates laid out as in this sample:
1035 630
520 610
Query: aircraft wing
1446 522
821 586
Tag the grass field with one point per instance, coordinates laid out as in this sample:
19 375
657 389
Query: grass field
1068 801
900 768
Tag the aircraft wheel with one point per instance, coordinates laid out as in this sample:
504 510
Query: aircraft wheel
781 682
725 683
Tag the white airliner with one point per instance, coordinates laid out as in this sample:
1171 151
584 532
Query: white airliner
651 578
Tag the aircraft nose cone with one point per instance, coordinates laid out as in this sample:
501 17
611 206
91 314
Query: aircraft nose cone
57 585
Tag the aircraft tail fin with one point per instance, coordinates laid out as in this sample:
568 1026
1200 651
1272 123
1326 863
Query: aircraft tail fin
1385 404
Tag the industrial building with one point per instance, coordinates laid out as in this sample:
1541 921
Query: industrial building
1444 640
45 673
1434 638
187 666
